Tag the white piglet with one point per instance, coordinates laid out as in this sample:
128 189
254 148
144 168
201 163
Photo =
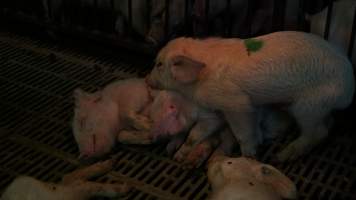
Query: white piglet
74 186
245 178
100 116
298 70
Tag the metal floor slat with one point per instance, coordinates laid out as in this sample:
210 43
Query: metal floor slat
36 83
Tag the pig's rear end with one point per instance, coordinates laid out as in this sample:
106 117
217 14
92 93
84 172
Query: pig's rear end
292 65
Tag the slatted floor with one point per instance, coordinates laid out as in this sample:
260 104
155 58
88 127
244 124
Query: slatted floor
36 83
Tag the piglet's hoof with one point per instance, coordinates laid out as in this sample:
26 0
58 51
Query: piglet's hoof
178 157
198 155
182 153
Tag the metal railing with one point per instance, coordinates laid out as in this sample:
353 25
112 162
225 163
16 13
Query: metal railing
98 19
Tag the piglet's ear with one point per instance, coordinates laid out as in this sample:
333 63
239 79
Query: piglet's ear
185 70
82 97
280 182
79 95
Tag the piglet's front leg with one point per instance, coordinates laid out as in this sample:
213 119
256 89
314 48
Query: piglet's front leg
200 131
139 121
242 124
135 137
201 152
77 182
174 144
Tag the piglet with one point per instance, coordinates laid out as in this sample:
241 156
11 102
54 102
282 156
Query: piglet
271 124
299 72
100 116
74 186
245 178
172 114
177 119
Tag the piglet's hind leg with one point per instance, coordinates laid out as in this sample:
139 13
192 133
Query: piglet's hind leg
310 114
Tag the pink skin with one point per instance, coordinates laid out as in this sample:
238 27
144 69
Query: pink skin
220 74
93 129
75 185
169 120
173 117
100 116
220 143
200 153
168 124
246 178
166 112
171 114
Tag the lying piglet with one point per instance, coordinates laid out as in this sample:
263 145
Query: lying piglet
100 116
179 120
177 114
174 117
245 178
173 113
74 186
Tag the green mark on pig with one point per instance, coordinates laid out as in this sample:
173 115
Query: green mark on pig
253 45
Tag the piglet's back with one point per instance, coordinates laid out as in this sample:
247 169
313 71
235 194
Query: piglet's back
284 63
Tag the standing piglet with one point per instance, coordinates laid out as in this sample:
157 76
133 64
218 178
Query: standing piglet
245 178
100 116
298 70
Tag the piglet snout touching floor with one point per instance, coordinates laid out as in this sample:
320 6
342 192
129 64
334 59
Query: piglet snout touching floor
100 116
246 178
